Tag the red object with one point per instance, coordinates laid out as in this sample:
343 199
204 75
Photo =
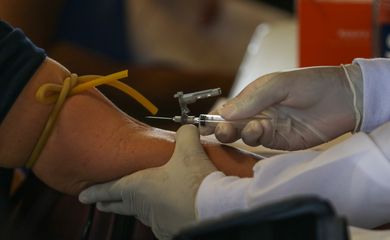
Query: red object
334 32
384 12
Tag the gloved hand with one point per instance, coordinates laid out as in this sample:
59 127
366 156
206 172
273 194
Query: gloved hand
306 107
162 197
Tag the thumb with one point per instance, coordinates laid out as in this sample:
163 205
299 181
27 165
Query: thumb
109 191
254 98
189 149
188 142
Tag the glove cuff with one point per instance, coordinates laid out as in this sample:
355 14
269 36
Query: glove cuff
355 81
380 136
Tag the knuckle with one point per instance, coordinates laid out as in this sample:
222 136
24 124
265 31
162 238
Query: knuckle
225 133
250 140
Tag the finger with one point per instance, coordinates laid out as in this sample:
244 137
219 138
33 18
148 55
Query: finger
252 132
189 150
268 134
207 130
275 138
188 141
133 188
226 133
119 207
110 191
257 96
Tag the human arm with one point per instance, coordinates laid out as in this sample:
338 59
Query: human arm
353 176
92 142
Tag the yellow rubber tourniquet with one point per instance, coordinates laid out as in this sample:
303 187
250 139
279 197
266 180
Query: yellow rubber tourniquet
71 86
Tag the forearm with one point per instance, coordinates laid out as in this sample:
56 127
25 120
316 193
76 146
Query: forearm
92 141
352 175
109 144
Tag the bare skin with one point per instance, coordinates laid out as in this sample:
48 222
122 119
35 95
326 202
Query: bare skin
93 141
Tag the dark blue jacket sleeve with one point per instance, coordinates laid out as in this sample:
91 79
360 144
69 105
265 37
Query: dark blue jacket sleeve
19 59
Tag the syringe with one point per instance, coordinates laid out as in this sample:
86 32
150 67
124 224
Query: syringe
209 120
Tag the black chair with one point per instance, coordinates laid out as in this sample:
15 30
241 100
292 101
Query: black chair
303 218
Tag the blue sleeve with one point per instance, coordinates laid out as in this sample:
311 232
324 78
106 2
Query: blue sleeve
19 59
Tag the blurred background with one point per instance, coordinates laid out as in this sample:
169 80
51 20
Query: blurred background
167 45
191 45
170 46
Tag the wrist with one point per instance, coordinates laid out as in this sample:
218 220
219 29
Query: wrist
219 195
355 79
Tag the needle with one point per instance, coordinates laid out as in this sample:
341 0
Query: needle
154 117
206 119
213 120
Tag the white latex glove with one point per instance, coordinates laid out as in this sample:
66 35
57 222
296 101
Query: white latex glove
366 234
381 136
162 197
306 107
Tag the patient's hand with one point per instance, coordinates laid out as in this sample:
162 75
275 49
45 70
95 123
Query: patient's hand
93 141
